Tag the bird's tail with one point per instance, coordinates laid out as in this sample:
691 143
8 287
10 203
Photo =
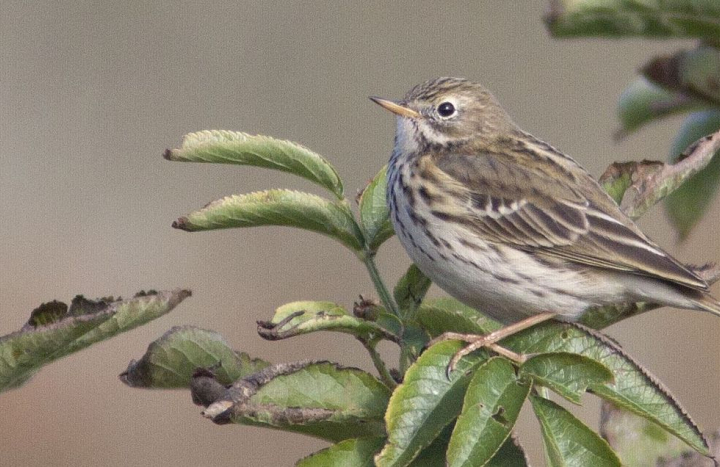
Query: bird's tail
709 304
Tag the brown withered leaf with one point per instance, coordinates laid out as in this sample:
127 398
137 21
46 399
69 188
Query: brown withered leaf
650 181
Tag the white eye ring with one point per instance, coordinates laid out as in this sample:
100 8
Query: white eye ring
446 109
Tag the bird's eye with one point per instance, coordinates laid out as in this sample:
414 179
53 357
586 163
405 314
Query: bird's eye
446 110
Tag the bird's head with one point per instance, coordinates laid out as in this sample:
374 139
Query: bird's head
446 111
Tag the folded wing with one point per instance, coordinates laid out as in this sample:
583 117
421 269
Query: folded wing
530 208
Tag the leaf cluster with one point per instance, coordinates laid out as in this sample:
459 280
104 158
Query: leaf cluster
683 82
411 414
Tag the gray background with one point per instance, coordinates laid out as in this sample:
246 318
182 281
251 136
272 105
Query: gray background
91 93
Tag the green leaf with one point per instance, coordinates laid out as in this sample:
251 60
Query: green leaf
359 452
304 317
425 403
692 459
689 203
636 440
319 399
447 314
565 373
510 454
356 452
568 442
692 72
414 339
491 407
170 361
277 207
434 455
232 147
642 102
633 387
410 290
669 18
602 317
374 212
24 352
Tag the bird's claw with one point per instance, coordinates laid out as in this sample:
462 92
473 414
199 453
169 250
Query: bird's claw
476 343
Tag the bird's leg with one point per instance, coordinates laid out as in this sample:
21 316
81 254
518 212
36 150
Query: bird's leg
476 342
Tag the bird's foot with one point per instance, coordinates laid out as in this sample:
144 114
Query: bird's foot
475 342
489 341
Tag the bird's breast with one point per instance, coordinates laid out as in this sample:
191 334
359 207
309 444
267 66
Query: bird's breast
499 280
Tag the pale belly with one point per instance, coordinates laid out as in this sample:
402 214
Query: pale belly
499 281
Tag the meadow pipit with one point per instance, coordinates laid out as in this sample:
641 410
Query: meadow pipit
511 226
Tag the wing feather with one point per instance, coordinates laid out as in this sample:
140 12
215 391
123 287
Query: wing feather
555 219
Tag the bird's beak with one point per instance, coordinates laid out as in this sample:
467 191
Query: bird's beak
396 108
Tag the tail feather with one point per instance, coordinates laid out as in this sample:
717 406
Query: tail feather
708 303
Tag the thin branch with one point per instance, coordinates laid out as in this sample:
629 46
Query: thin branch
385 297
379 363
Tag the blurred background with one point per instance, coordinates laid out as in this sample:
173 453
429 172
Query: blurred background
92 92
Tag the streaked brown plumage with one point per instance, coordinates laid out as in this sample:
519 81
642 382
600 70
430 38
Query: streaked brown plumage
508 224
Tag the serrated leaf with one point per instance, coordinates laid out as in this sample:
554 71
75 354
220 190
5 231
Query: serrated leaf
24 352
568 442
491 407
327 386
170 361
319 399
636 440
233 147
565 373
693 72
693 459
669 18
303 317
689 203
447 314
642 102
425 403
277 207
374 212
633 387
410 290
356 452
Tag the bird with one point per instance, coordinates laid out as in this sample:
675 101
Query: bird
509 225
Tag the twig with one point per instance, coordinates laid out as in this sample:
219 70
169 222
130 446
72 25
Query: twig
379 363
385 297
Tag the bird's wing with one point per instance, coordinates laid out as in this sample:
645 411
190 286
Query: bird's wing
535 211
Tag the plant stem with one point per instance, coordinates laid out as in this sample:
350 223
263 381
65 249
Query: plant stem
377 360
405 358
385 297
389 303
